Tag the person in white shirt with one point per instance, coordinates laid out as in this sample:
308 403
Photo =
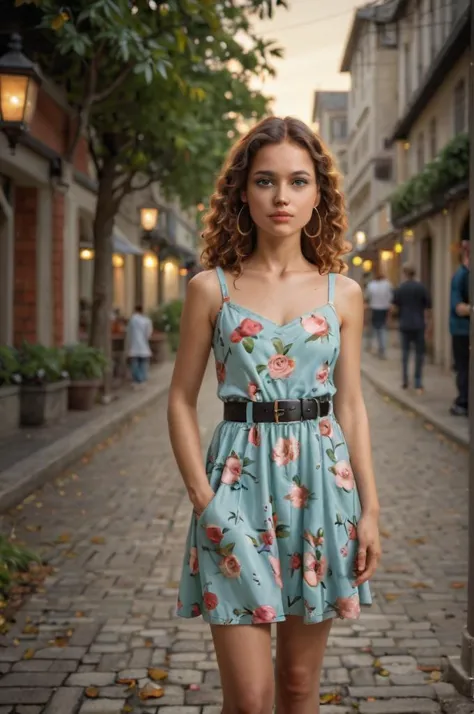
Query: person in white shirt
139 331
379 293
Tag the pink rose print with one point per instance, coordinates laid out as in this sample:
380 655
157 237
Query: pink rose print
348 607
250 328
263 615
295 561
276 567
298 496
254 436
322 375
210 600
247 328
214 533
195 610
315 325
286 450
230 566
352 532
193 561
252 391
325 428
232 470
314 569
220 372
280 366
344 551
268 537
344 475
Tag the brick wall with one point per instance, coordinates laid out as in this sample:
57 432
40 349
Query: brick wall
58 268
24 305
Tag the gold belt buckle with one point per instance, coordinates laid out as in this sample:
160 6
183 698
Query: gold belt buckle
277 411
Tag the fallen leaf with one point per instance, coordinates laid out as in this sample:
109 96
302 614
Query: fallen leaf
29 653
61 641
391 596
39 505
151 692
157 674
420 586
457 586
127 682
64 538
74 477
98 540
62 493
383 673
148 643
33 529
16 642
92 692
435 676
385 534
79 613
417 541
330 698
127 709
30 630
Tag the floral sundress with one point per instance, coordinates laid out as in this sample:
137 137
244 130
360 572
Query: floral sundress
279 537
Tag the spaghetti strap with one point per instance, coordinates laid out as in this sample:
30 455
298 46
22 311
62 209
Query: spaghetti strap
331 287
223 284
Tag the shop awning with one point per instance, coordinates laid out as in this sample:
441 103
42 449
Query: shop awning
121 244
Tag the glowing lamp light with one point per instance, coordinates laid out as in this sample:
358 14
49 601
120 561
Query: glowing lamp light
150 261
398 248
148 218
357 260
183 272
86 254
361 238
408 235
169 267
117 261
386 255
406 145
367 266
19 83
200 207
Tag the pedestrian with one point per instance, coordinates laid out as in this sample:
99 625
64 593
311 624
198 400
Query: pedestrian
278 533
413 303
459 323
139 330
379 293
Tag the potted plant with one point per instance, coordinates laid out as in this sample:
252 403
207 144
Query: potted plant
10 380
172 318
43 393
85 366
158 339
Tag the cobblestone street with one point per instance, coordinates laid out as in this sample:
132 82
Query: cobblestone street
114 529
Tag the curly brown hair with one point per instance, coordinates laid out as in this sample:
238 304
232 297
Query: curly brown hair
224 246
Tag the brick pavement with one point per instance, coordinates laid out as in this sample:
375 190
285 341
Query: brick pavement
114 529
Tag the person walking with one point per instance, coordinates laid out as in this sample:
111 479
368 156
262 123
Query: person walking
413 303
285 523
139 331
379 293
459 322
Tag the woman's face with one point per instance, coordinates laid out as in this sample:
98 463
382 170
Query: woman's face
282 189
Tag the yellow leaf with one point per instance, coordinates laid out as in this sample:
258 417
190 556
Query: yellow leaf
39 505
151 692
383 673
98 540
330 698
157 674
457 586
391 596
92 692
33 529
61 641
417 541
127 709
385 534
64 538
127 682
30 630
79 613
420 586
435 676
28 654
16 642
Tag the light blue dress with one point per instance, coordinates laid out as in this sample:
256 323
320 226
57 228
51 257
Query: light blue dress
280 536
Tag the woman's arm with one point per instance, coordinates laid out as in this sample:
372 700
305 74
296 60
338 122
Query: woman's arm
350 411
200 308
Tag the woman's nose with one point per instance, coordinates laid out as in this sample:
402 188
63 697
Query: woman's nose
280 199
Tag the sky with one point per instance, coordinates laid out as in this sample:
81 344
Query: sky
313 34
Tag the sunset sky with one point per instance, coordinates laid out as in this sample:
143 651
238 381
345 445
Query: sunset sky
313 34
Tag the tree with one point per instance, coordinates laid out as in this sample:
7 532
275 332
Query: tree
159 88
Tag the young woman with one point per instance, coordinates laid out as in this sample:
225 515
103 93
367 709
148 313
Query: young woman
278 534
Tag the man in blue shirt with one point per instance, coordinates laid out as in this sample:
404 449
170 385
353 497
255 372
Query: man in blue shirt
459 328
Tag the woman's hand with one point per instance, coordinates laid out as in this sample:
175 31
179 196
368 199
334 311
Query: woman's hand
202 500
369 551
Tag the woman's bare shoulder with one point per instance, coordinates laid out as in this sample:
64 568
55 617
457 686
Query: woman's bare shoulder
347 288
205 288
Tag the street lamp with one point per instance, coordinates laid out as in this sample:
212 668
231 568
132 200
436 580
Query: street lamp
360 238
19 83
148 218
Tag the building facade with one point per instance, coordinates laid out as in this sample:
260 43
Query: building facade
330 122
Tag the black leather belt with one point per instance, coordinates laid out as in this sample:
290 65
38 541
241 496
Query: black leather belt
280 411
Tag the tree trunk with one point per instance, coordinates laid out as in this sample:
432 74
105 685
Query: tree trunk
106 209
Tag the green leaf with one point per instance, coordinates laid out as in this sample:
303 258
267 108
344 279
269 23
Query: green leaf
283 533
287 348
261 368
247 462
331 455
248 344
253 541
278 345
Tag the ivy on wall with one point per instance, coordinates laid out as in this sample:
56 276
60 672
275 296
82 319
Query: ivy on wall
448 169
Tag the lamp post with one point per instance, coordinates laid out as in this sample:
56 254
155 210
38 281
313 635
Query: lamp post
19 83
149 220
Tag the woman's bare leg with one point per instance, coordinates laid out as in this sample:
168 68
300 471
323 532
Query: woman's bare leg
300 652
244 657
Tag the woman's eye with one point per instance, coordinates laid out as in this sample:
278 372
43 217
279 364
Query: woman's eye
300 182
264 182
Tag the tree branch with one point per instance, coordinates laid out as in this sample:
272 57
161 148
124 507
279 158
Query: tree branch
100 96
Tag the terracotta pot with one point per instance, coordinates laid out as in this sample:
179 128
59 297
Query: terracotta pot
83 394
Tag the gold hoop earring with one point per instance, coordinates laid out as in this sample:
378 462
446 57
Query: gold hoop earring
238 223
318 232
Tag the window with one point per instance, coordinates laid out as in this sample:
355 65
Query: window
338 128
460 107
431 28
433 138
420 151
420 36
388 35
407 59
